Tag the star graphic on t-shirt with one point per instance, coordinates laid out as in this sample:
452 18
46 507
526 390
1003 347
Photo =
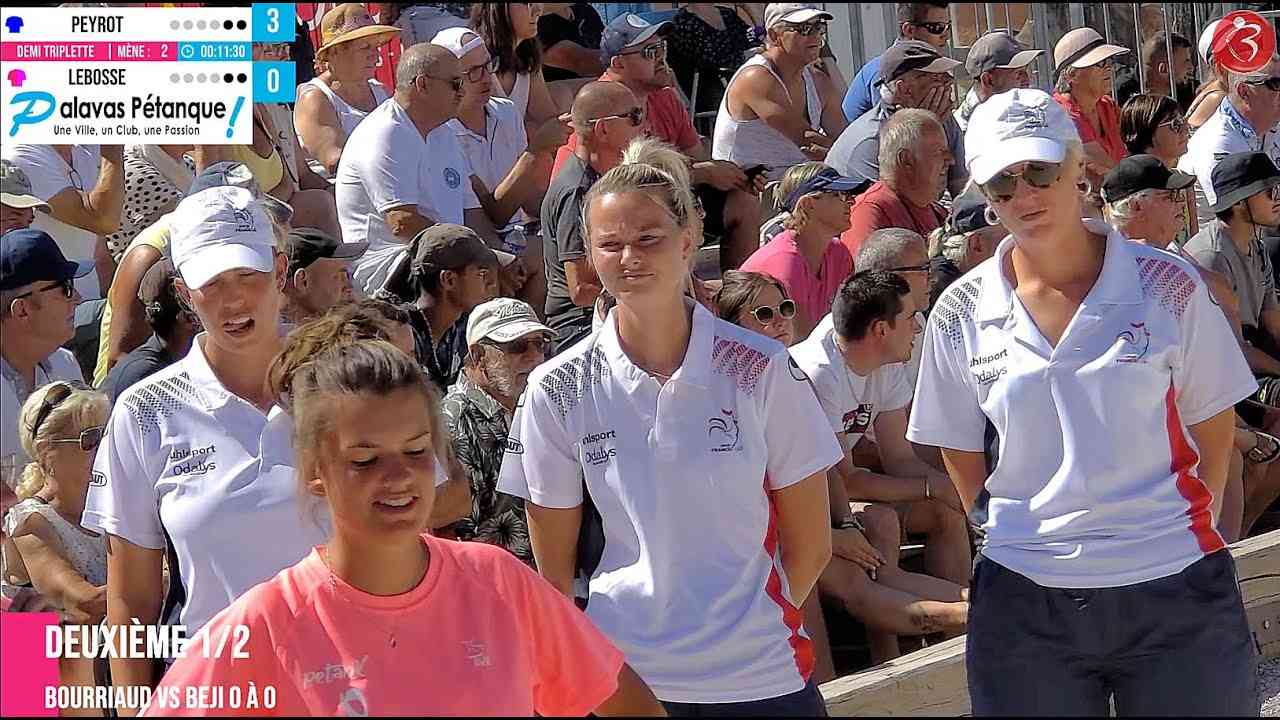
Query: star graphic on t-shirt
17 76
14 23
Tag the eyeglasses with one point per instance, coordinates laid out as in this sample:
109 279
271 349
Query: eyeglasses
68 289
636 115
652 52
807 29
924 268
521 346
1272 84
935 28
765 314
1041 175
477 73
89 439
1275 192
1175 123
456 82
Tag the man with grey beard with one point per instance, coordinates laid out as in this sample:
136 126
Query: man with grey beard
505 341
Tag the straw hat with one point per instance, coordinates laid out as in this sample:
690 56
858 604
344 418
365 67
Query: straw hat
351 21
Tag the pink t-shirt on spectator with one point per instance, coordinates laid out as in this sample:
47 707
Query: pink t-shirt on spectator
480 635
781 260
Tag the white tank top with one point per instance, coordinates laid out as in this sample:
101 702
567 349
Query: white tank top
748 143
519 93
86 553
349 116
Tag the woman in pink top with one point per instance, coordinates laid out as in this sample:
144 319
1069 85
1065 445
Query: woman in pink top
807 257
383 619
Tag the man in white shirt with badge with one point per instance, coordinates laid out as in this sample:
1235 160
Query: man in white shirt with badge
855 359
1246 121
402 169
37 306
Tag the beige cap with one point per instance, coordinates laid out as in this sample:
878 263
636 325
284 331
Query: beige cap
1081 48
15 188
351 21
503 320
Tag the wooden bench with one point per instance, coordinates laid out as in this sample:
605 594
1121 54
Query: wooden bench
933 682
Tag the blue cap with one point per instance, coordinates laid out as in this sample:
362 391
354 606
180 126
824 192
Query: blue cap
826 180
225 173
30 256
628 30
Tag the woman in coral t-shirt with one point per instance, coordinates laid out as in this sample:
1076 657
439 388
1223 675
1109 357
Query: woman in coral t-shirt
382 619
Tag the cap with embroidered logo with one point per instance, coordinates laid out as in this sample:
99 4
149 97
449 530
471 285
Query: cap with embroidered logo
220 229
503 320
1020 125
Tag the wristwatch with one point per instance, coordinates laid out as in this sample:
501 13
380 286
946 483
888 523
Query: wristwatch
851 522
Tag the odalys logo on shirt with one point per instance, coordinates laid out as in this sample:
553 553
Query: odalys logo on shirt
193 461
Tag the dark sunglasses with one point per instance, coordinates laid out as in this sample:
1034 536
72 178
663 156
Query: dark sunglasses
652 52
1041 175
90 438
68 289
935 28
1272 84
807 29
635 114
521 346
765 314
455 83
57 394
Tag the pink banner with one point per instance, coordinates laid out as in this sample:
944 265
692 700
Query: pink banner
66 51
27 672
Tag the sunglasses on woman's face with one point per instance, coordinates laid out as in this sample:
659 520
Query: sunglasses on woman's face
766 314
636 115
1004 184
1175 124
90 438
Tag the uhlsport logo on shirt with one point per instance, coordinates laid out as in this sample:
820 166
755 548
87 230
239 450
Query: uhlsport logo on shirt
724 431
193 461
989 368
594 450
1137 340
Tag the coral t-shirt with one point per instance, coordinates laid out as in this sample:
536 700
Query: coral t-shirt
781 260
665 118
482 634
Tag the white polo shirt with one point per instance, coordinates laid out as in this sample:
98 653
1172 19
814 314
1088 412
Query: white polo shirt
1224 133
61 365
1096 484
492 155
851 402
386 163
184 455
690 585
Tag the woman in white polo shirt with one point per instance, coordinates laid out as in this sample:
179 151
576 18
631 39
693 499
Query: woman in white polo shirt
196 457
1110 378
705 452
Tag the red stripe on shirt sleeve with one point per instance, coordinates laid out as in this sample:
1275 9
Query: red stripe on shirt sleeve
1199 499
792 617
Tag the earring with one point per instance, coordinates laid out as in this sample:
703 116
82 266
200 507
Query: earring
989 214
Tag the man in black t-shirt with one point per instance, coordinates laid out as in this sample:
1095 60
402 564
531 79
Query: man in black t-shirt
606 118
570 36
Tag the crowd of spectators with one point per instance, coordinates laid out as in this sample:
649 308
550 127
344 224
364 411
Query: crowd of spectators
699 382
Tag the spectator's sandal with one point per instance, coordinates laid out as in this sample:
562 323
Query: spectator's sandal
1267 449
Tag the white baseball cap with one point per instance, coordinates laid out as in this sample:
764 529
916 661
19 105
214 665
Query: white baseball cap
503 320
1205 46
458 40
220 229
1020 125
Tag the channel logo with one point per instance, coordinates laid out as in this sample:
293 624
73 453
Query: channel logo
31 112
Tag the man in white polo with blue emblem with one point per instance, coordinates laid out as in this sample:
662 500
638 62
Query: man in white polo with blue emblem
403 169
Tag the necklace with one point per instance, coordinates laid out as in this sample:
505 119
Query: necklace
333 588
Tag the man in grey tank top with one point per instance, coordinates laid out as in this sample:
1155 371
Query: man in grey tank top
778 110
